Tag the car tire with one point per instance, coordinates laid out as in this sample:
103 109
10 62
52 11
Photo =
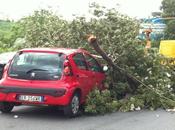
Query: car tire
6 107
72 110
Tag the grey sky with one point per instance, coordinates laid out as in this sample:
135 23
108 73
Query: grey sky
15 9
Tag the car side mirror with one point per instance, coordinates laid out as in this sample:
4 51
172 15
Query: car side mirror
105 68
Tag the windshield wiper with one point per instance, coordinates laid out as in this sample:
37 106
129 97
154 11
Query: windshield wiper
32 70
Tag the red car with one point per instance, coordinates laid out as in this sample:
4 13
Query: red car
54 77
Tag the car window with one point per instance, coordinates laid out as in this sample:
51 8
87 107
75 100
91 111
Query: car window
80 61
46 66
92 63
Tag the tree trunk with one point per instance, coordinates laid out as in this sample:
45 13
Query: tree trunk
133 82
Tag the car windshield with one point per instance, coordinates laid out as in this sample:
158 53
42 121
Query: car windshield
37 66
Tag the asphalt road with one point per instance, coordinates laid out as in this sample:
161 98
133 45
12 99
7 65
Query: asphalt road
43 118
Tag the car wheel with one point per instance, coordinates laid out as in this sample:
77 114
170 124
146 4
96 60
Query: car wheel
6 107
73 108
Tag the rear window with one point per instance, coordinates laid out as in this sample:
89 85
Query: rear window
37 66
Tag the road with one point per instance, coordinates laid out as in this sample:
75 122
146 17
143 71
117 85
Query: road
43 118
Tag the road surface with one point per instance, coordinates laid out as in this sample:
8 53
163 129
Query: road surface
43 118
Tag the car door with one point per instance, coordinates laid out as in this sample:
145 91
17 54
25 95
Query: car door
96 70
82 74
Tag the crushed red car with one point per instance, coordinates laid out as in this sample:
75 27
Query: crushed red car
54 77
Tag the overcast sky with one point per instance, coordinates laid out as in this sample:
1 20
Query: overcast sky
15 9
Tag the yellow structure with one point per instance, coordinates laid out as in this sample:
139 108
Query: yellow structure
167 48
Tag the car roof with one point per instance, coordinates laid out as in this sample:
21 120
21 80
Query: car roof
66 51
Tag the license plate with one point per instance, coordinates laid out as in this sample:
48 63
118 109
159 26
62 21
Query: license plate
30 98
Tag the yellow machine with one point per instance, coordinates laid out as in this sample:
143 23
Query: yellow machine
167 48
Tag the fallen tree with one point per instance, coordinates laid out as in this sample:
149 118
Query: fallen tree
92 40
134 102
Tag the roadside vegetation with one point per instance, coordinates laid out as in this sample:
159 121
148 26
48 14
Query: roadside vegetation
116 34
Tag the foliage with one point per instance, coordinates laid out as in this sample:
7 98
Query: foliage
5 25
156 91
155 44
9 32
170 30
168 8
131 104
169 11
43 29
100 102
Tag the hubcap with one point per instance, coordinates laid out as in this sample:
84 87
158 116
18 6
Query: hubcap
75 104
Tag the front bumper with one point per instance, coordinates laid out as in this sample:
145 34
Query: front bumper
52 96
